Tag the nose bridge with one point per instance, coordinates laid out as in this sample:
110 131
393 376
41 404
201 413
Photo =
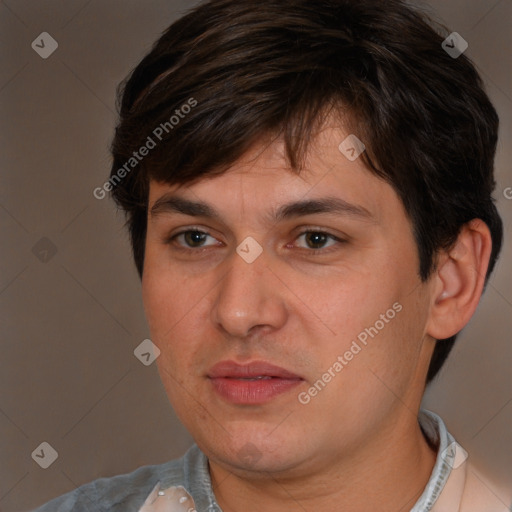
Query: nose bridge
247 296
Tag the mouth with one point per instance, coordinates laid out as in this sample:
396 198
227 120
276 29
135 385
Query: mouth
252 384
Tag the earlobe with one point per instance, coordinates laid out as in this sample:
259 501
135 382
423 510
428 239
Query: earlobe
459 280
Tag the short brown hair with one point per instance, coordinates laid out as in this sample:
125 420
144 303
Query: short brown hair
262 67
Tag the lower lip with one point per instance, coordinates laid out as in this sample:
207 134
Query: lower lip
252 392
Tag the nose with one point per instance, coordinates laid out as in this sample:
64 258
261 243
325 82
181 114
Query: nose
248 298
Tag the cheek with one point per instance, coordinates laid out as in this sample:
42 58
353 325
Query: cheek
158 303
376 324
349 304
177 315
169 314
167 296
372 376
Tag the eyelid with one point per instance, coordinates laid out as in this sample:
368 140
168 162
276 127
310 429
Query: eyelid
170 238
300 231
323 250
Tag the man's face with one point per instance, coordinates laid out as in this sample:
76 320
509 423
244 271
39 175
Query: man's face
341 311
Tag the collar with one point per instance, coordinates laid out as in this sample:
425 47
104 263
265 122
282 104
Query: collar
441 492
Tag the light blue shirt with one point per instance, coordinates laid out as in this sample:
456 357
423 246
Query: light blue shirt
127 493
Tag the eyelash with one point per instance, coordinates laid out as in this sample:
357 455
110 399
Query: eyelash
170 240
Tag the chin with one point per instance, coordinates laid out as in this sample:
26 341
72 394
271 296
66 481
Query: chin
250 453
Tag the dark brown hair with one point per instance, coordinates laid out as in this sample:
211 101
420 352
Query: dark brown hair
252 68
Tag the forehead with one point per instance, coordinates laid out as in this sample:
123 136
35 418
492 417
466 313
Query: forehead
261 182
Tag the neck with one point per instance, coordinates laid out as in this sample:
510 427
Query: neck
388 474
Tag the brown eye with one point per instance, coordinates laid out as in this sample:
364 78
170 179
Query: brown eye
190 240
317 239
194 238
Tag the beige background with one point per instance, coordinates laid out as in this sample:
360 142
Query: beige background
70 322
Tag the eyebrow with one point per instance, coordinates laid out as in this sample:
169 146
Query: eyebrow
328 205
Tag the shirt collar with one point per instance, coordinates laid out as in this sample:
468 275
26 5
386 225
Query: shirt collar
435 430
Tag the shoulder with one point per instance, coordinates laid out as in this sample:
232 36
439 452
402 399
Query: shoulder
123 492
483 495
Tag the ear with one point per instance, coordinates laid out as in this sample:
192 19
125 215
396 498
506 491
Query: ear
459 280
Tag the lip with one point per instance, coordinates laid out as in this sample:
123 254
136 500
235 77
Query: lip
231 369
230 380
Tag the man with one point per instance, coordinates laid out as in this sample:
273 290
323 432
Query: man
308 192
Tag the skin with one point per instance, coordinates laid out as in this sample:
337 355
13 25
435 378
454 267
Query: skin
357 444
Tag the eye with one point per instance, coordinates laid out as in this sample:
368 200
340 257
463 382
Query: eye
315 239
191 239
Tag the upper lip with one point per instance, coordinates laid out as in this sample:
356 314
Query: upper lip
231 369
